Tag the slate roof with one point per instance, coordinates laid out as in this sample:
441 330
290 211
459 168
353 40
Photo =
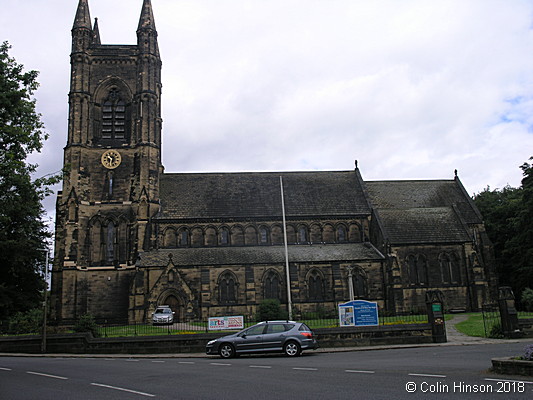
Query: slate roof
260 255
434 211
257 194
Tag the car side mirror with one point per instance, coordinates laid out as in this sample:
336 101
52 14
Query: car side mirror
244 336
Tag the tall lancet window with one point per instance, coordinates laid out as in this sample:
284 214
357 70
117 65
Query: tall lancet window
110 243
114 116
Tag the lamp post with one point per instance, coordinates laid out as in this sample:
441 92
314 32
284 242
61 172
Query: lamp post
45 303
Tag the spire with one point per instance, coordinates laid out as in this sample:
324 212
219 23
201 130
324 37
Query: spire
96 33
83 17
146 32
146 21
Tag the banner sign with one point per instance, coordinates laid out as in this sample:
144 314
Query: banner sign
358 313
223 323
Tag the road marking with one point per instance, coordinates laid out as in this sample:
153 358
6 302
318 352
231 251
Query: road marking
508 380
110 359
46 375
185 362
5 369
306 369
219 364
360 372
158 361
129 359
260 366
429 375
123 389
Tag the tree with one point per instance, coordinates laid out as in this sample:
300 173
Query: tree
22 231
508 214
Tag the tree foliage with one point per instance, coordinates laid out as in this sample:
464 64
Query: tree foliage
508 215
22 230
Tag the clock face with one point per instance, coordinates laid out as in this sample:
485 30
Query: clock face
111 159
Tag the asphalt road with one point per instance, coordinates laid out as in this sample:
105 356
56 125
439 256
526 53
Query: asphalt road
445 372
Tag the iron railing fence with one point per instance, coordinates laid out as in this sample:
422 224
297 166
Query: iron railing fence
491 319
116 328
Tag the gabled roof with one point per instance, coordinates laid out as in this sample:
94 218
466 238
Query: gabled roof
258 195
188 257
423 225
423 211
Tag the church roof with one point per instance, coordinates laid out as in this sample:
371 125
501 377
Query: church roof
258 195
260 255
435 211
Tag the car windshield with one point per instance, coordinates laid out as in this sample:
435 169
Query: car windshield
163 311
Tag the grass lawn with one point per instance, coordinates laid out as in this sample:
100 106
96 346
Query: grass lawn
473 326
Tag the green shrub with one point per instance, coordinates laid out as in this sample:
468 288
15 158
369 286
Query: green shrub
26 322
527 299
86 323
270 309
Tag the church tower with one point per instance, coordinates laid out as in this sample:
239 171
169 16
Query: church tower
113 164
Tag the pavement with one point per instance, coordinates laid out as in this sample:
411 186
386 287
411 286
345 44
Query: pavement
453 336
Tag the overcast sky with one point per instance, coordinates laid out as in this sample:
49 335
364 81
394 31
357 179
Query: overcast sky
413 89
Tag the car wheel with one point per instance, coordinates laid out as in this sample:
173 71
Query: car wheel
292 349
226 351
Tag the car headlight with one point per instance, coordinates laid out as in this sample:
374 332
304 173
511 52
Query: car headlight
211 342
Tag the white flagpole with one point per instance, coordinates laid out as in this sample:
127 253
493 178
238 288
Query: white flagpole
289 297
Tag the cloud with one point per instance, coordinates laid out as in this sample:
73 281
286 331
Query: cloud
412 89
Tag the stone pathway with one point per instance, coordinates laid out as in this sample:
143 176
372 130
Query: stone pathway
454 336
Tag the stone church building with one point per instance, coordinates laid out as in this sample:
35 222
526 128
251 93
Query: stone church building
130 236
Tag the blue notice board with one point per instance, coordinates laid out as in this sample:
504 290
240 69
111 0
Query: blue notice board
358 313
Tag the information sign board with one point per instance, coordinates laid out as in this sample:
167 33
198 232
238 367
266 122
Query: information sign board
358 313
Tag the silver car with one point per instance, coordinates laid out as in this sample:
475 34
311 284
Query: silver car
163 315
286 337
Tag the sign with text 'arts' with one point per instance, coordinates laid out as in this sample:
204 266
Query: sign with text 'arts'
223 323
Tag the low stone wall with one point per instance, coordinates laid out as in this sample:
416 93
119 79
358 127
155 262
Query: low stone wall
84 343
508 366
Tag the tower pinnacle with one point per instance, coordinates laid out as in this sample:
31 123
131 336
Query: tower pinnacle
146 21
83 17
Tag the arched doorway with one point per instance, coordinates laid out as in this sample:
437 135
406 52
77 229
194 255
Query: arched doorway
176 305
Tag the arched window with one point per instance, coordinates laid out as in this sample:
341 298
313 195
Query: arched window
237 236
341 234
449 268
316 234
417 269
302 235
360 287
263 234
316 286
224 236
272 286
184 238
227 291
328 234
169 239
110 243
445 270
114 116
291 234
250 236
